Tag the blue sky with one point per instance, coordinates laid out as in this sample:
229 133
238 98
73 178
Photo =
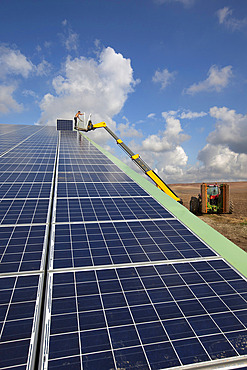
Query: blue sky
169 76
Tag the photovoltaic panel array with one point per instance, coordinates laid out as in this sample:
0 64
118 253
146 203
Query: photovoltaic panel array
27 166
11 135
129 286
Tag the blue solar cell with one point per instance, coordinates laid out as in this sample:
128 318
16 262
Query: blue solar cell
91 320
64 345
98 361
227 321
238 341
190 351
168 310
16 330
114 300
161 355
65 305
13 353
89 303
131 358
218 346
203 325
63 323
95 341
178 329
118 316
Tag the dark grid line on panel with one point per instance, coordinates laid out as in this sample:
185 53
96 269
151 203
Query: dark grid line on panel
152 312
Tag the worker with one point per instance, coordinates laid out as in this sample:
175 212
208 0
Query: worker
77 115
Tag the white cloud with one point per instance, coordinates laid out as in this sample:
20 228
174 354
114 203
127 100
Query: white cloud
230 131
151 115
13 62
222 164
163 77
69 38
217 80
27 93
224 157
13 66
100 86
72 41
183 114
163 151
225 17
43 68
184 2
128 130
7 102
223 14
166 140
192 115
171 113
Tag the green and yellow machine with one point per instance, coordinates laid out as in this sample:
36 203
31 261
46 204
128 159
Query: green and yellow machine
214 198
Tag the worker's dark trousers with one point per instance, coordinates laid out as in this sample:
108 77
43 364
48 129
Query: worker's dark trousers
75 119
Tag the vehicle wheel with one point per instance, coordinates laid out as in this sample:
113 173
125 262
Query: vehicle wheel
194 205
231 207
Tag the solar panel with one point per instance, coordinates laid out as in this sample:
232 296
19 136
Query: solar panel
64 124
132 287
155 316
20 303
128 284
26 175
11 135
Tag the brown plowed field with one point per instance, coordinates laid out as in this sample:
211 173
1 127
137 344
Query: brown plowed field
232 226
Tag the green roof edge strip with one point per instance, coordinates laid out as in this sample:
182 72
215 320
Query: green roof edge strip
223 246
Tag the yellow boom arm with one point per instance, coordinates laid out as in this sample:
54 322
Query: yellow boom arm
136 158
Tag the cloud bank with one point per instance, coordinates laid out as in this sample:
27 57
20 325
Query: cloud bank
100 86
14 67
163 151
225 155
223 158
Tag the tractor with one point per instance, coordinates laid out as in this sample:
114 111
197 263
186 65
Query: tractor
214 198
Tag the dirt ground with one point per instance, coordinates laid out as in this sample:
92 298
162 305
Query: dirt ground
232 226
